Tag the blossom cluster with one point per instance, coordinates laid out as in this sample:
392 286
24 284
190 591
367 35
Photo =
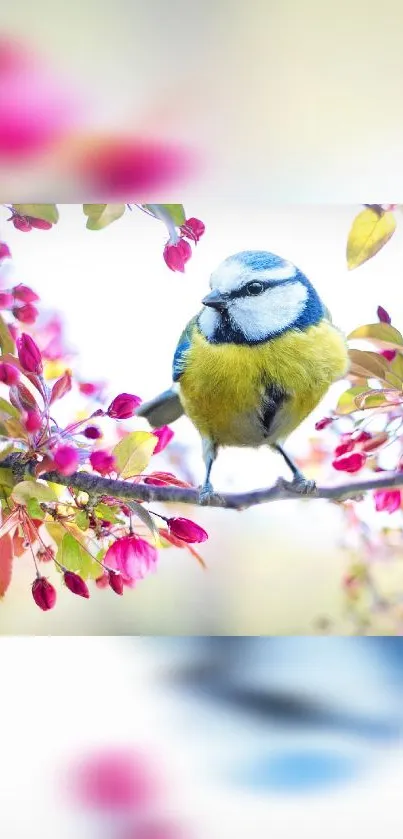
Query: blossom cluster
83 537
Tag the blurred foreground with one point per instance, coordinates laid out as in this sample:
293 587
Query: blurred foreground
189 738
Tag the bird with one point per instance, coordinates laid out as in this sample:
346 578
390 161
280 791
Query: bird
254 362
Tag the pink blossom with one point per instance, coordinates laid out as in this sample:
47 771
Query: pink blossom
187 530
9 374
24 294
383 315
26 313
350 462
43 593
176 256
66 459
5 252
6 300
76 584
102 462
123 406
387 500
323 423
33 421
164 435
193 229
133 557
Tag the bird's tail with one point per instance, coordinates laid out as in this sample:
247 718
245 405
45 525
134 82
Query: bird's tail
162 410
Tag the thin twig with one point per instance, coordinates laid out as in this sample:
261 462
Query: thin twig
280 491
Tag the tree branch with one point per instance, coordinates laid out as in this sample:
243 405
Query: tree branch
281 491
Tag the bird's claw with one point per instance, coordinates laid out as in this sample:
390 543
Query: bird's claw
207 495
299 485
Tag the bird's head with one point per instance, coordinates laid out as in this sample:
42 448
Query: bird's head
255 296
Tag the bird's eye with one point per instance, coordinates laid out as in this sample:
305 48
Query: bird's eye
254 288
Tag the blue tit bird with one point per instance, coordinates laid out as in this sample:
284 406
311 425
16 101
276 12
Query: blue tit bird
254 362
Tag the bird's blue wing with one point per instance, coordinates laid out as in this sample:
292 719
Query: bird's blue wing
182 349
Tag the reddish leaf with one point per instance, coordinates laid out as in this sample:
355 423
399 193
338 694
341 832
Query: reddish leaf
6 563
18 544
46 465
164 479
11 521
61 387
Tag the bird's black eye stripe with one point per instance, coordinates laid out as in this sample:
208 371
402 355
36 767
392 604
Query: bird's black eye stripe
252 289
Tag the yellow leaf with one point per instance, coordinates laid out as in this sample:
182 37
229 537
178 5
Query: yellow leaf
6 341
369 233
381 333
48 212
25 490
133 453
347 403
101 215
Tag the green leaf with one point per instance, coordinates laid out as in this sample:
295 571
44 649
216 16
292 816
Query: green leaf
347 403
48 212
73 556
176 212
146 518
7 408
25 490
34 510
382 333
101 215
82 521
376 399
369 233
6 478
6 342
104 511
55 531
133 453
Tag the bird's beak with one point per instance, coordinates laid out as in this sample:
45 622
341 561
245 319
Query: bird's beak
215 300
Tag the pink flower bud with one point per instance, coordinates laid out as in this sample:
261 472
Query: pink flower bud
5 252
24 293
193 228
187 530
116 780
43 593
39 223
343 448
387 500
123 406
132 556
102 581
29 354
33 421
164 435
383 315
92 432
9 374
116 582
102 462
6 300
176 256
390 355
76 584
323 423
21 223
350 462
362 437
66 459
27 313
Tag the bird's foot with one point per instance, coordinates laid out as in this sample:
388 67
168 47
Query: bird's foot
299 485
207 494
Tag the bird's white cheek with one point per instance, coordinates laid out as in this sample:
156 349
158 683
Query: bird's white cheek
208 322
271 312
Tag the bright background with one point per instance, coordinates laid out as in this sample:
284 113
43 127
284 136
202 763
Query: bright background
273 569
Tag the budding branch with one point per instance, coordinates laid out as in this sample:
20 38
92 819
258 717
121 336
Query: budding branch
282 490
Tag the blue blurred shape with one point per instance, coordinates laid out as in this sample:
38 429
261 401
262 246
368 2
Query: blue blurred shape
299 771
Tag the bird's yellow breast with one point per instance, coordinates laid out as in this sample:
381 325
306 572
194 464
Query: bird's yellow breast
222 388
